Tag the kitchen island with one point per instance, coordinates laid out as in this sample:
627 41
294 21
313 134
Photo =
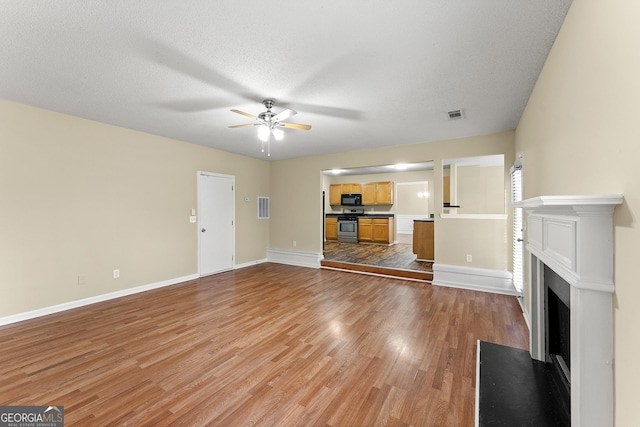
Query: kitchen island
423 235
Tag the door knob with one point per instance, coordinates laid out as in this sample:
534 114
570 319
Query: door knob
517 240
204 229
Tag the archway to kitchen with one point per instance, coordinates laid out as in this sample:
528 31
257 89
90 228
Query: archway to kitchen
381 238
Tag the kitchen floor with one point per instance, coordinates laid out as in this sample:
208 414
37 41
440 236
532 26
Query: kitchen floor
398 256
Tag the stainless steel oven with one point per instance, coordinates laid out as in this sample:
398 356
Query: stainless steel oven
348 229
348 225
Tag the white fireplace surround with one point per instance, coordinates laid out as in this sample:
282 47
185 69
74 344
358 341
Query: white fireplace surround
573 235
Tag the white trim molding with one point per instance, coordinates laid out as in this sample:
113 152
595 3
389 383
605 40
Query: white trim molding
300 259
473 216
573 236
476 279
92 300
249 264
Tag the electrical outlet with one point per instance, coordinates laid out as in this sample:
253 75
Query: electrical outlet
116 273
82 280
294 243
469 258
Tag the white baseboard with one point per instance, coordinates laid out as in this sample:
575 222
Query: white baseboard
91 300
301 259
476 279
250 263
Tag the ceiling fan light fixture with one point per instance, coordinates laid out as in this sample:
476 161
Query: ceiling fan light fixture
263 133
278 134
268 124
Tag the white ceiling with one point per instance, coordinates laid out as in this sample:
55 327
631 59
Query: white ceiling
363 73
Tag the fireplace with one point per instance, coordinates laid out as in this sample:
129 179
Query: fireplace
558 336
570 247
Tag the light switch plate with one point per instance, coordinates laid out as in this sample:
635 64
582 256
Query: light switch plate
192 219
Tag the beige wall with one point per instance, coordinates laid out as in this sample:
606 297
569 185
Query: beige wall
81 198
481 190
407 201
580 134
302 221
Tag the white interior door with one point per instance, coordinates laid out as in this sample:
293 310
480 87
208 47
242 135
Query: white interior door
215 223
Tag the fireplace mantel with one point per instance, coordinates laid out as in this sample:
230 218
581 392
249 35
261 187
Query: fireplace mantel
573 235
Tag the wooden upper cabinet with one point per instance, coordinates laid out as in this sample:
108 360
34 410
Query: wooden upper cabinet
384 193
335 191
377 193
369 194
351 189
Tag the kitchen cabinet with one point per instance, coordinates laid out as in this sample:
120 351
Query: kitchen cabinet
365 230
423 234
331 228
377 193
375 230
351 189
337 190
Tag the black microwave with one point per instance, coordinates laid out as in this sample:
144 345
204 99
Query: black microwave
351 200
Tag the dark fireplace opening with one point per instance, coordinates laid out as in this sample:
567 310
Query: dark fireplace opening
558 335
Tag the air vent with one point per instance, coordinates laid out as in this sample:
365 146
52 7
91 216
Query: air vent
263 207
455 115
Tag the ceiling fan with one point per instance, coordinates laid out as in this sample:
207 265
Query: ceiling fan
271 123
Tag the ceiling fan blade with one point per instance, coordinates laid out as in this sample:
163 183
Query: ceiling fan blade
343 113
245 114
295 126
241 126
283 115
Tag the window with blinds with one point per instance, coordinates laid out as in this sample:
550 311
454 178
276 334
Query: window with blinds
263 207
518 226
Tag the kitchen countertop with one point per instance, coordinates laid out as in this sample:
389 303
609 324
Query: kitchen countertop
380 215
424 220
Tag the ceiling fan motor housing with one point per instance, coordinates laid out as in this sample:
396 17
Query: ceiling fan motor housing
267 115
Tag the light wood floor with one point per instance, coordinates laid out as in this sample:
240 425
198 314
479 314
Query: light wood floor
265 345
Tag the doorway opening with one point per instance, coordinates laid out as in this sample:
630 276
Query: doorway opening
379 253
